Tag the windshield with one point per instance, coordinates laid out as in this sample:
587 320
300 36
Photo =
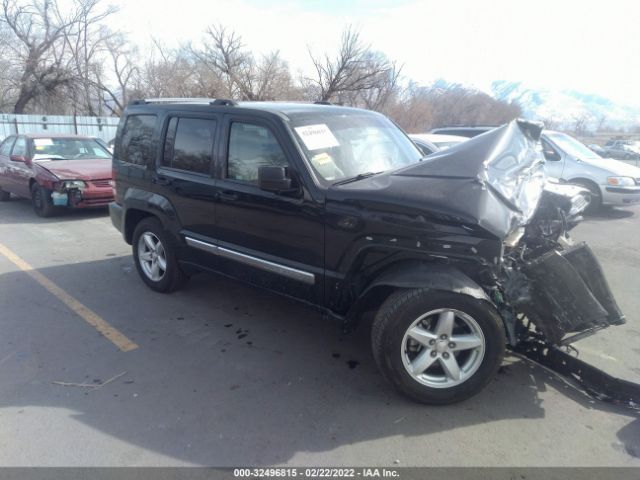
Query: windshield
572 146
68 149
344 146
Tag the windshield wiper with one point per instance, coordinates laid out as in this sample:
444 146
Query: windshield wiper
360 176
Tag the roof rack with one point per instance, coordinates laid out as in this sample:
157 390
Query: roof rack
209 101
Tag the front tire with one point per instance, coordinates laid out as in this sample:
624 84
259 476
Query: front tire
4 196
41 201
437 347
155 256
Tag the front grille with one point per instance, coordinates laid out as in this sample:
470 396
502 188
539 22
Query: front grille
101 183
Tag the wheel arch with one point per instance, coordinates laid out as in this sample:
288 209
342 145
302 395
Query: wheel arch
410 275
139 204
583 180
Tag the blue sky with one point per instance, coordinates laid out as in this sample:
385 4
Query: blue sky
590 46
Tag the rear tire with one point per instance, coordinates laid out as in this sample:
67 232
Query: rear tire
155 256
41 201
4 196
461 344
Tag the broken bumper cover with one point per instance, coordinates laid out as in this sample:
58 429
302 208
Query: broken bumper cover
86 198
569 294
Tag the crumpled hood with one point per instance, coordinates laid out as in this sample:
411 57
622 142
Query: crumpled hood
90 169
493 181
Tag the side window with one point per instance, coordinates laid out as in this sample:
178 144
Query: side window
5 148
252 146
137 139
189 144
550 153
20 147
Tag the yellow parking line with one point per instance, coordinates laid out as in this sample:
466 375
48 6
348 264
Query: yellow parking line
88 315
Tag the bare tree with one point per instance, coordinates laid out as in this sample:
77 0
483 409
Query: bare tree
122 67
580 121
38 50
600 122
244 77
355 68
87 40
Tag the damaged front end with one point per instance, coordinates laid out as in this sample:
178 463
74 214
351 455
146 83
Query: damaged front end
552 292
558 286
549 291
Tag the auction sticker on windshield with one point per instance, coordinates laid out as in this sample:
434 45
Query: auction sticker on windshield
316 137
42 142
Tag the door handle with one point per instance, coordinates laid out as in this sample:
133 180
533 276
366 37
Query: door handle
161 180
228 195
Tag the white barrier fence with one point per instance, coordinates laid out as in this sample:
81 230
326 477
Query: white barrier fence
101 127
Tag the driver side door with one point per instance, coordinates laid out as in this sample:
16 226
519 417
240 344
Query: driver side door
275 240
554 165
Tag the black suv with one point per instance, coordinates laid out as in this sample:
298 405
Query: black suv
458 254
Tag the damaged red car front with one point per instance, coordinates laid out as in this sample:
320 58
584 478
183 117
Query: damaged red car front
56 171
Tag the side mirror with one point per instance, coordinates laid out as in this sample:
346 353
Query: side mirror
274 179
18 158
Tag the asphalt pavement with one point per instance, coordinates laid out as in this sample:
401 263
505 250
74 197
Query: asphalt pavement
223 374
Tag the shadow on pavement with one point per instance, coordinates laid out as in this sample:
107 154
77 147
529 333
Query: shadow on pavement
18 209
226 374
610 213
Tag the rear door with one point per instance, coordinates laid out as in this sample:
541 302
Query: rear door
275 240
184 175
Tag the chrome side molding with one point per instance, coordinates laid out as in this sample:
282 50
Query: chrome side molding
293 273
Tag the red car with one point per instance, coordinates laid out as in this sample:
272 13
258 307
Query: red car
55 171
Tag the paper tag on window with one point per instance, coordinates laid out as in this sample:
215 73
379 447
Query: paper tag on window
42 142
318 136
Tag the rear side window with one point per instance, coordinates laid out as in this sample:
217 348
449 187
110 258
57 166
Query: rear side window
20 147
137 139
189 144
5 148
250 147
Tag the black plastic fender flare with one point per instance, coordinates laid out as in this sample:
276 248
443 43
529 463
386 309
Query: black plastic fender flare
151 203
415 275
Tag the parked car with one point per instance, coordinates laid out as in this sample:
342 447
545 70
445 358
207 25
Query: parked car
610 182
55 171
332 206
622 150
463 131
431 142
599 150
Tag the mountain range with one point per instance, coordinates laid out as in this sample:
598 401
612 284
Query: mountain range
565 107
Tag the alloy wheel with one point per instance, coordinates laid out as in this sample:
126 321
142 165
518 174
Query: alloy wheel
152 256
443 348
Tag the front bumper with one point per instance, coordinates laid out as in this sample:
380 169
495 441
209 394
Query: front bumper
568 294
92 197
621 196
